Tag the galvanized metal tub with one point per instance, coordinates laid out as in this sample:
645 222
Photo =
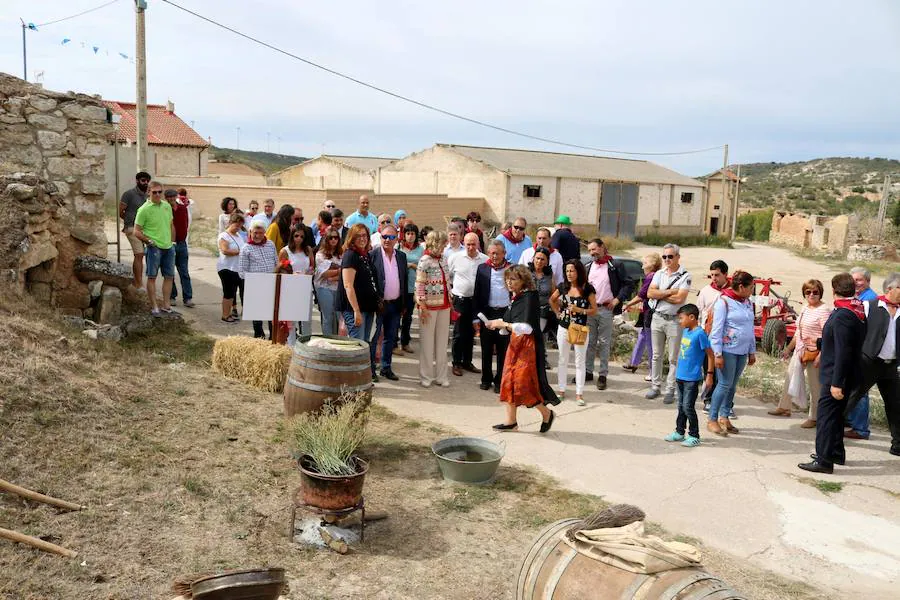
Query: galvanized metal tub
468 459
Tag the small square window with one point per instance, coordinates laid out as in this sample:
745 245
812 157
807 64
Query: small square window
531 191
687 197
715 207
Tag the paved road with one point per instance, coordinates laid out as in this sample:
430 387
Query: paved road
742 494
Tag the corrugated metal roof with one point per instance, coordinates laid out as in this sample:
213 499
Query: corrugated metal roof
164 128
580 166
362 163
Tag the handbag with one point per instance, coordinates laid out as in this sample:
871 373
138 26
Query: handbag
808 356
577 334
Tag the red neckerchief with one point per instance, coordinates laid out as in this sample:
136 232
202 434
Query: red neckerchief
408 247
508 235
884 299
550 250
501 267
713 285
730 293
262 243
854 305
602 261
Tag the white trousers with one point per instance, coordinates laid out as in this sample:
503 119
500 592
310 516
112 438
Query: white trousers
433 347
562 370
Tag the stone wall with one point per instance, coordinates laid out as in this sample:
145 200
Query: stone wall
817 232
52 153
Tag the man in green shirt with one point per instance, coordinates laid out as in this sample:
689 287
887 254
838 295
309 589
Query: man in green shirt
153 225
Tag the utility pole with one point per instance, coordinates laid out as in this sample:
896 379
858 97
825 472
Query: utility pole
141 76
24 52
737 203
882 207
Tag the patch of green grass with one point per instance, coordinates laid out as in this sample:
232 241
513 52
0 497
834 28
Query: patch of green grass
764 380
685 241
412 424
826 487
464 499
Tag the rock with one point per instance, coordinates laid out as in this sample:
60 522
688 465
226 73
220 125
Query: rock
137 323
76 321
109 310
41 103
90 333
92 268
110 332
95 288
136 299
76 295
20 191
83 234
48 122
65 166
85 113
51 140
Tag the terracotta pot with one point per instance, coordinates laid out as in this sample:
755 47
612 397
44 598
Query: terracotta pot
330 492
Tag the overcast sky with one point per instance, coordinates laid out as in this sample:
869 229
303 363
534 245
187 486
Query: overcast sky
777 80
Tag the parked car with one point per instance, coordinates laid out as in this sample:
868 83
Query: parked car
633 268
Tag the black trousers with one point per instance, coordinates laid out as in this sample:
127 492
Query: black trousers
491 339
830 429
406 321
258 329
884 375
463 332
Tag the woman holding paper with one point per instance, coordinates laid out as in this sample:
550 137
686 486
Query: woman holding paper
258 256
524 381
328 271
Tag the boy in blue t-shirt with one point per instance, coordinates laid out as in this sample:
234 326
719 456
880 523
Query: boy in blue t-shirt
689 373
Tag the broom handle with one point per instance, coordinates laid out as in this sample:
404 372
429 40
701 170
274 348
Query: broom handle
36 542
26 493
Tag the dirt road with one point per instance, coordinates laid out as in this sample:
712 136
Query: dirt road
742 494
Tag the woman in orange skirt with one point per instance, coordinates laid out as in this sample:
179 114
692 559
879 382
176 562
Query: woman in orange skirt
524 381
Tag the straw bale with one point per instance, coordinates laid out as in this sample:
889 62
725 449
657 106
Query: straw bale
256 362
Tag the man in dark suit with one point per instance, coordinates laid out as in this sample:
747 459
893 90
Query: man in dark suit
880 354
491 299
390 277
337 221
841 344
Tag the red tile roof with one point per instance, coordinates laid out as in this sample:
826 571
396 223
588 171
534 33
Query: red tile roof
164 128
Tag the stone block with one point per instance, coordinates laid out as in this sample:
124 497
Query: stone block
62 188
91 268
84 234
51 140
85 113
95 288
109 309
68 166
47 122
38 251
19 138
41 103
88 205
136 298
76 295
93 185
11 119
14 105
20 191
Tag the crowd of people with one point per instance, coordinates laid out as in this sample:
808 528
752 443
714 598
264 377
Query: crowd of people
371 273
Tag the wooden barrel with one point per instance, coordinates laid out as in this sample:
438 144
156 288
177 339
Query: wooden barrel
553 570
320 373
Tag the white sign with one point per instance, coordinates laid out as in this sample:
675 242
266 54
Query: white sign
259 297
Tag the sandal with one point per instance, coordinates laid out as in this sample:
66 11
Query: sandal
507 427
229 319
632 368
579 400
674 437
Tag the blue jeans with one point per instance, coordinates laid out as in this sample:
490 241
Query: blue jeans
687 413
858 418
723 395
363 331
327 314
389 322
160 260
181 263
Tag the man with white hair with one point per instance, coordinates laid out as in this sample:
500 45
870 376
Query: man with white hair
667 293
384 220
862 279
880 354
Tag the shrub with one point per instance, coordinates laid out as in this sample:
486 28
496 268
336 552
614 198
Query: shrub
755 226
685 241
332 436
858 189
895 213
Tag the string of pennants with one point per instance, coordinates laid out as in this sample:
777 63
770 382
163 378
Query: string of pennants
70 43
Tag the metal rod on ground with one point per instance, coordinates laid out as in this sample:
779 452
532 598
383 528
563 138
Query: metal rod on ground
15 536
12 488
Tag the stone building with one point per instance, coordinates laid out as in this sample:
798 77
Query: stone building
622 197
330 171
175 150
816 232
720 194
52 180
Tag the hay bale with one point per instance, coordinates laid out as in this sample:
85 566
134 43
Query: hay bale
258 363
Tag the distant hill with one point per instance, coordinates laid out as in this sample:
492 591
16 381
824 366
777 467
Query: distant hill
822 186
264 162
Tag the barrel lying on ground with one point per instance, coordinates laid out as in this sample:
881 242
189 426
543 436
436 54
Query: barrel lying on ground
553 570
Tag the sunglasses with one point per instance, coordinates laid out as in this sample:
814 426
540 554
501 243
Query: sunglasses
332 237
668 256
384 222
517 228
329 206
475 220
389 237
298 235
811 293
156 191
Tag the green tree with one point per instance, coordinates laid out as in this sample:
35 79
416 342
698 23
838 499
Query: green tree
895 213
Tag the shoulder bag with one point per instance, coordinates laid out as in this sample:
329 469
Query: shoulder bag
576 334
808 355
653 302
379 299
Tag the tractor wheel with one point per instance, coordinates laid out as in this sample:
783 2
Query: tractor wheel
774 337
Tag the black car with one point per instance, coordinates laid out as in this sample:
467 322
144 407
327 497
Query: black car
633 268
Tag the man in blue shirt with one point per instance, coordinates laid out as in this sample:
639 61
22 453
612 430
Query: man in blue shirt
362 215
857 423
515 241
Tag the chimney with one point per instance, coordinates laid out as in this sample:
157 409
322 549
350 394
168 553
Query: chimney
170 106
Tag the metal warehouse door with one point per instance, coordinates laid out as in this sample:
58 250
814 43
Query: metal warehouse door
618 209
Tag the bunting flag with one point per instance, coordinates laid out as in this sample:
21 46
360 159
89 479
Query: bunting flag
68 42
65 41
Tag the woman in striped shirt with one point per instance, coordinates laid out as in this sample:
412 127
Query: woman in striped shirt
804 355
258 256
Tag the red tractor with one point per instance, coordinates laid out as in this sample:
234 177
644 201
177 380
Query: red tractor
775 321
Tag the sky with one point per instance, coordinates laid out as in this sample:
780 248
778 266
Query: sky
775 80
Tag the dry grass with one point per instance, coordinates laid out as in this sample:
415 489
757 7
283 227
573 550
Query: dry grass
183 472
256 362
